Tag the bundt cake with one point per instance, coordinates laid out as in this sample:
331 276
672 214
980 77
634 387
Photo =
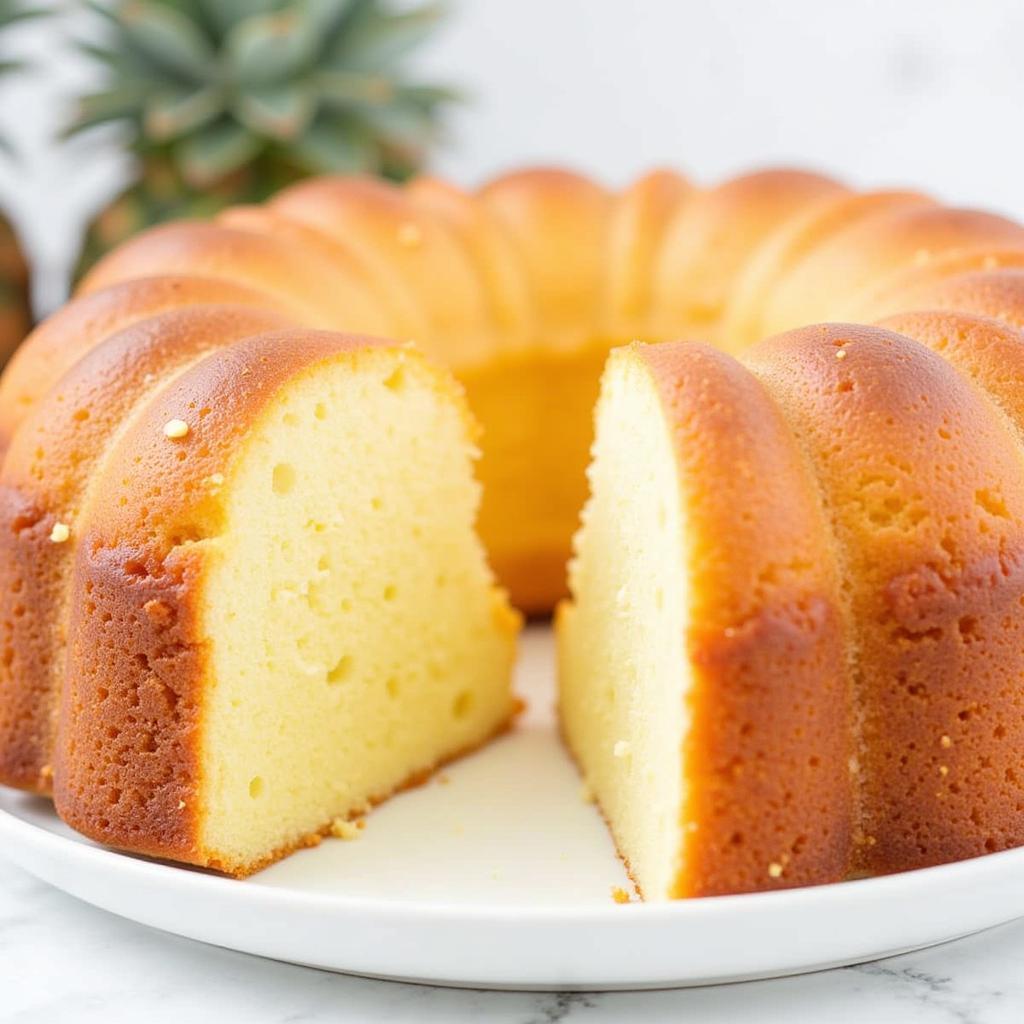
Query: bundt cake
228 621
789 652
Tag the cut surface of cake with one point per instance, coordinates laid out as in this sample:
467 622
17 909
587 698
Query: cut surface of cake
279 612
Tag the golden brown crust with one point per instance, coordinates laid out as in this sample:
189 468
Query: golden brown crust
996 293
127 770
639 218
767 752
923 482
493 253
784 249
303 286
44 481
559 223
989 352
848 268
409 252
66 336
711 239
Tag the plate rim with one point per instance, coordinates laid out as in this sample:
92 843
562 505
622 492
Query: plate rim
28 835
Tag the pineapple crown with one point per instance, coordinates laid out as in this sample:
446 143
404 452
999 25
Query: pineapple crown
299 86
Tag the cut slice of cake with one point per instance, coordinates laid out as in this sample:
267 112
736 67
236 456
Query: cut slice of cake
281 613
702 669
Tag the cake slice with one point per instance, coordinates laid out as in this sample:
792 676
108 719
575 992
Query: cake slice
280 613
703 683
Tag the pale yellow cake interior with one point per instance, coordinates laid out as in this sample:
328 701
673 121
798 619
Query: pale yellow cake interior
623 665
357 638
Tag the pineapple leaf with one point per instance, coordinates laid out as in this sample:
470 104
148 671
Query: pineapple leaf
333 145
14 10
282 112
172 113
168 38
271 47
224 15
215 151
109 105
375 39
344 88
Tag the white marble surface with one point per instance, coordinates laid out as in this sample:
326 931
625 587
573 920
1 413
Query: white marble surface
62 962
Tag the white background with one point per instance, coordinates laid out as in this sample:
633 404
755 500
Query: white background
928 93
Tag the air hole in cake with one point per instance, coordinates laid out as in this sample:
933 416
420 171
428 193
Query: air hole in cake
320 411
323 564
395 381
290 419
376 504
255 787
283 478
390 592
462 705
341 671
392 687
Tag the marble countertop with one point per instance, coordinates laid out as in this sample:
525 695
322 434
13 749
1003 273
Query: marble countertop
62 961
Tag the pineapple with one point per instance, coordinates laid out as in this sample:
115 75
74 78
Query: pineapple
15 308
226 101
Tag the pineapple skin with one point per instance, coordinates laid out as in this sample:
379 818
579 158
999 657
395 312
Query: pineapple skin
15 304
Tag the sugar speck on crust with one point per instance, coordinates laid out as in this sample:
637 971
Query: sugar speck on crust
945 742
775 869
60 533
176 429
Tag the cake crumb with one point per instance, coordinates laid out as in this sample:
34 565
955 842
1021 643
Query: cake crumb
342 828
620 895
945 742
175 429
775 869
621 748
60 533
587 792
409 235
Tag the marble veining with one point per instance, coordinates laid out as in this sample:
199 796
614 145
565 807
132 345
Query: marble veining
63 962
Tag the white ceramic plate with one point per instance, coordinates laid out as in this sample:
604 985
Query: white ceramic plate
498 875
